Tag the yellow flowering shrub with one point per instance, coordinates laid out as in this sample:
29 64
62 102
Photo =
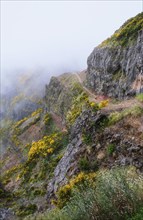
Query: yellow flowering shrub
82 102
65 192
17 124
76 108
45 146
39 110
92 104
104 103
10 172
47 119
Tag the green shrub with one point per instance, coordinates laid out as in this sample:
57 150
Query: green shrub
84 164
26 210
87 138
138 215
111 148
117 195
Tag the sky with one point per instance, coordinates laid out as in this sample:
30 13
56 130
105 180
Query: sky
57 36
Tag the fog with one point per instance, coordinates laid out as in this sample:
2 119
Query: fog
52 37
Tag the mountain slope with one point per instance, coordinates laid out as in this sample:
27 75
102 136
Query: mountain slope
58 154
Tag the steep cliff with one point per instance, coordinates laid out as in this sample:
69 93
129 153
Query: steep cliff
115 68
60 93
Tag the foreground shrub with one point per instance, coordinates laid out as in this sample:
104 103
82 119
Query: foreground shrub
118 195
138 215
67 191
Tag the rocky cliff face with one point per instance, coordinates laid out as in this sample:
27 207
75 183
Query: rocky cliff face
59 94
68 165
115 70
102 145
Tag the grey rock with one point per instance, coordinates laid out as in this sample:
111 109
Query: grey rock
68 165
115 71
133 148
7 214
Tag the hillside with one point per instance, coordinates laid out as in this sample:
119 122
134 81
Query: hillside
78 155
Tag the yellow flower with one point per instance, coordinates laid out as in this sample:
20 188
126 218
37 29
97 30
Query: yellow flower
52 141
103 103
50 150
92 104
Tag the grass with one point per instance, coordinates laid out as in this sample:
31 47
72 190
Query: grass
117 195
139 97
117 116
127 34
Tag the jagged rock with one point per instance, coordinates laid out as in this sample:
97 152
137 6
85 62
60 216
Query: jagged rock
116 71
7 214
59 94
67 166
133 148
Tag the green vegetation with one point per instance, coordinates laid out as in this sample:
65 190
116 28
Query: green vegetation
79 101
65 192
140 97
117 75
138 215
84 164
26 210
44 154
116 194
127 34
86 138
110 149
117 116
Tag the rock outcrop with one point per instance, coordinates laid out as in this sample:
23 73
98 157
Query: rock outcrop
7 214
59 94
108 146
115 70
68 165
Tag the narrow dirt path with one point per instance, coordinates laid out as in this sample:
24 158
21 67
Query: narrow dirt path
123 105
111 106
87 90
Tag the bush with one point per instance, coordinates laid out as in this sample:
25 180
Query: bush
138 215
26 210
66 192
117 194
84 164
